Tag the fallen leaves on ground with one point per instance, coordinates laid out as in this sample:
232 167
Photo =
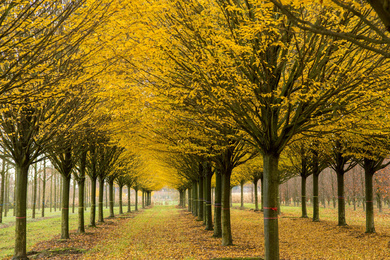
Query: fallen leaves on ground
171 233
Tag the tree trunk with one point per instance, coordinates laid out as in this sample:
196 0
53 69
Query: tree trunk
2 190
379 198
242 194
93 203
6 193
316 202
65 206
262 194
271 185
341 200
370 228
226 225
189 200
194 198
255 181
111 197
20 211
128 199
303 194
120 199
34 202
81 183
200 199
43 189
74 194
208 213
143 199
136 199
217 205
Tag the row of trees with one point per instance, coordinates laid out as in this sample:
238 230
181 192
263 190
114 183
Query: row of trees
44 193
280 89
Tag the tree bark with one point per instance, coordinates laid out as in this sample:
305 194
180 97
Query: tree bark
200 199
128 199
303 194
217 205
20 209
43 189
262 193
34 191
242 194
194 198
271 186
255 181
143 199
100 200
74 194
2 190
341 199
120 199
226 225
136 199
65 206
316 202
189 200
370 227
208 213
111 197
93 203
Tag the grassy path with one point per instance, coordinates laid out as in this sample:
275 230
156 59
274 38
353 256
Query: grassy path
171 233
165 233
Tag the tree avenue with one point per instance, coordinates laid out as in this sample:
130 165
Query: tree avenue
198 95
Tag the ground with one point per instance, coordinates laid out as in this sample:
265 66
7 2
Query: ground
168 232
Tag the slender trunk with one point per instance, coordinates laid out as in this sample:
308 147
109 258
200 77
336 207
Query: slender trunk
379 198
262 193
341 199
100 200
136 199
200 199
107 192
189 200
55 192
3 180
204 199
120 199
316 202
370 228
20 211
34 202
111 197
194 198
209 214
242 194
74 194
128 199
271 185
65 206
303 194
81 183
51 191
217 205
43 189
255 181
6 193
226 225
143 199
92 222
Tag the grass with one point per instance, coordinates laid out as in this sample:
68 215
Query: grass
354 217
38 229
166 232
